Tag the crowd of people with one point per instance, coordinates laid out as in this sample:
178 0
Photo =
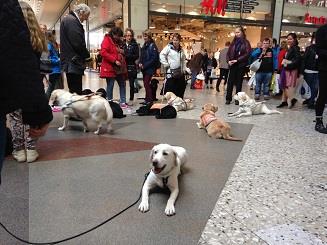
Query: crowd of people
121 60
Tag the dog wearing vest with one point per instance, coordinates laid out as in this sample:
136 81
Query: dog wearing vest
92 109
166 162
178 103
249 107
214 126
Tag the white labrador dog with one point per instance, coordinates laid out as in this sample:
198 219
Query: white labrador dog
166 162
178 103
249 107
94 111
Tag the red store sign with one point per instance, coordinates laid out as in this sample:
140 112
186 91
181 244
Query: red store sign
315 20
214 6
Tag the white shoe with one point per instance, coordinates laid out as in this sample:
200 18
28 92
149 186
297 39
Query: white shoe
20 156
130 103
32 155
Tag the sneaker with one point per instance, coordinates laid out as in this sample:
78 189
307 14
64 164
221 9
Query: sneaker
56 109
123 106
31 155
19 156
211 87
293 102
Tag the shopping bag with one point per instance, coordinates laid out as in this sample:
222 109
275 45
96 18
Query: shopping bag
198 84
255 66
251 81
275 82
305 91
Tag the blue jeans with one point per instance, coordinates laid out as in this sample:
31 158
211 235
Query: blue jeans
193 78
2 140
312 80
264 79
122 88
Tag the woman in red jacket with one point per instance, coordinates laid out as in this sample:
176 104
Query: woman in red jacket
281 55
113 65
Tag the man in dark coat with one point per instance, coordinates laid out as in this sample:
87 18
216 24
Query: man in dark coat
20 86
321 42
73 48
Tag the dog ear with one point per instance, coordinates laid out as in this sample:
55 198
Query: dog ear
215 108
151 155
175 157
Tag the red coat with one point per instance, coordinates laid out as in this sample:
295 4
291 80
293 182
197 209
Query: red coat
109 55
281 56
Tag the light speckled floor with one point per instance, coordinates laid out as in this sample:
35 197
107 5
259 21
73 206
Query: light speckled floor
277 191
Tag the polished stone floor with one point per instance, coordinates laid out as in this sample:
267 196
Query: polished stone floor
277 190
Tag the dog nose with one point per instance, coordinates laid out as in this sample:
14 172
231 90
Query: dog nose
155 163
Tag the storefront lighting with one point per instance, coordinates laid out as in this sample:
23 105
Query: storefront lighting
193 13
285 21
152 26
162 10
177 27
251 18
265 28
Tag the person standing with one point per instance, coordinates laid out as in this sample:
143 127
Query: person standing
223 66
310 71
148 64
113 65
264 74
321 42
172 57
291 64
55 76
211 65
73 48
195 65
237 58
131 50
24 144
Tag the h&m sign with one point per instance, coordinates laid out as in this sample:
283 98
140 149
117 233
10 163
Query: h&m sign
315 20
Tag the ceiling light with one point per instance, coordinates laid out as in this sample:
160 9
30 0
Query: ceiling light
193 13
162 10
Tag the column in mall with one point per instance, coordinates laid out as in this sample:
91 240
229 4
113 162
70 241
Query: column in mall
136 16
278 16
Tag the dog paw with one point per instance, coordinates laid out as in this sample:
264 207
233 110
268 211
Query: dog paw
144 207
199 125
170 210
61 128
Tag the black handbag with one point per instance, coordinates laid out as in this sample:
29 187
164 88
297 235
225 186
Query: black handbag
176 73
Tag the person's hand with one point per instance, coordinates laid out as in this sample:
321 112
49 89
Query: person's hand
231 62
117 63
121 51
38 132
141 66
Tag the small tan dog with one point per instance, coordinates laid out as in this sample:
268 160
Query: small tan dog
215 127
178 103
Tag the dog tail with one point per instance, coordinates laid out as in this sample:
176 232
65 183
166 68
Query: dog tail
228 137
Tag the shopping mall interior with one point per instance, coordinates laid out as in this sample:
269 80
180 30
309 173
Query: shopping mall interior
268 188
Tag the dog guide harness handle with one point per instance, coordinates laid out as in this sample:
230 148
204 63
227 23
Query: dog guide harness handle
80 234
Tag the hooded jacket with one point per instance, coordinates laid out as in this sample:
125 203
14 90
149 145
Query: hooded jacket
173 59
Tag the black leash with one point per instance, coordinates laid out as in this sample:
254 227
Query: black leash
80 234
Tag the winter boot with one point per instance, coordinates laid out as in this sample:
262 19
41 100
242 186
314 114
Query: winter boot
320 126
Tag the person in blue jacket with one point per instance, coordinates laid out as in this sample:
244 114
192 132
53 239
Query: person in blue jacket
55 76
148 64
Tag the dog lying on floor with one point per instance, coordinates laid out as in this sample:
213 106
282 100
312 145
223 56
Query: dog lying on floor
249 107
166 162
215 127
93 110
178 103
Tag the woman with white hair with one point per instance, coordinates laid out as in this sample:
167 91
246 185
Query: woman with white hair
73 51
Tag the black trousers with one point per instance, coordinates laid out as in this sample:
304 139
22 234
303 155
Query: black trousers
235 78
223 74
177 86
74 82
322 98
131 79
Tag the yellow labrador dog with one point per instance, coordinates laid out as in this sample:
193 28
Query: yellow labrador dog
249 107
166 162
178 103
94 110
215 127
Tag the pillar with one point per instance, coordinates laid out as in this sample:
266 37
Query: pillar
278 17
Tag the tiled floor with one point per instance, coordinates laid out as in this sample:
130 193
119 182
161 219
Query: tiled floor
278 182
277 191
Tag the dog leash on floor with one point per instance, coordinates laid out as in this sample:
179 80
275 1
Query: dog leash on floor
80 234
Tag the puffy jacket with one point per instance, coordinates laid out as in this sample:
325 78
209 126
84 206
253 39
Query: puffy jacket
109 53
173 59
149 57
20 86
321 42
54 58
131 52
310 59
242 55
